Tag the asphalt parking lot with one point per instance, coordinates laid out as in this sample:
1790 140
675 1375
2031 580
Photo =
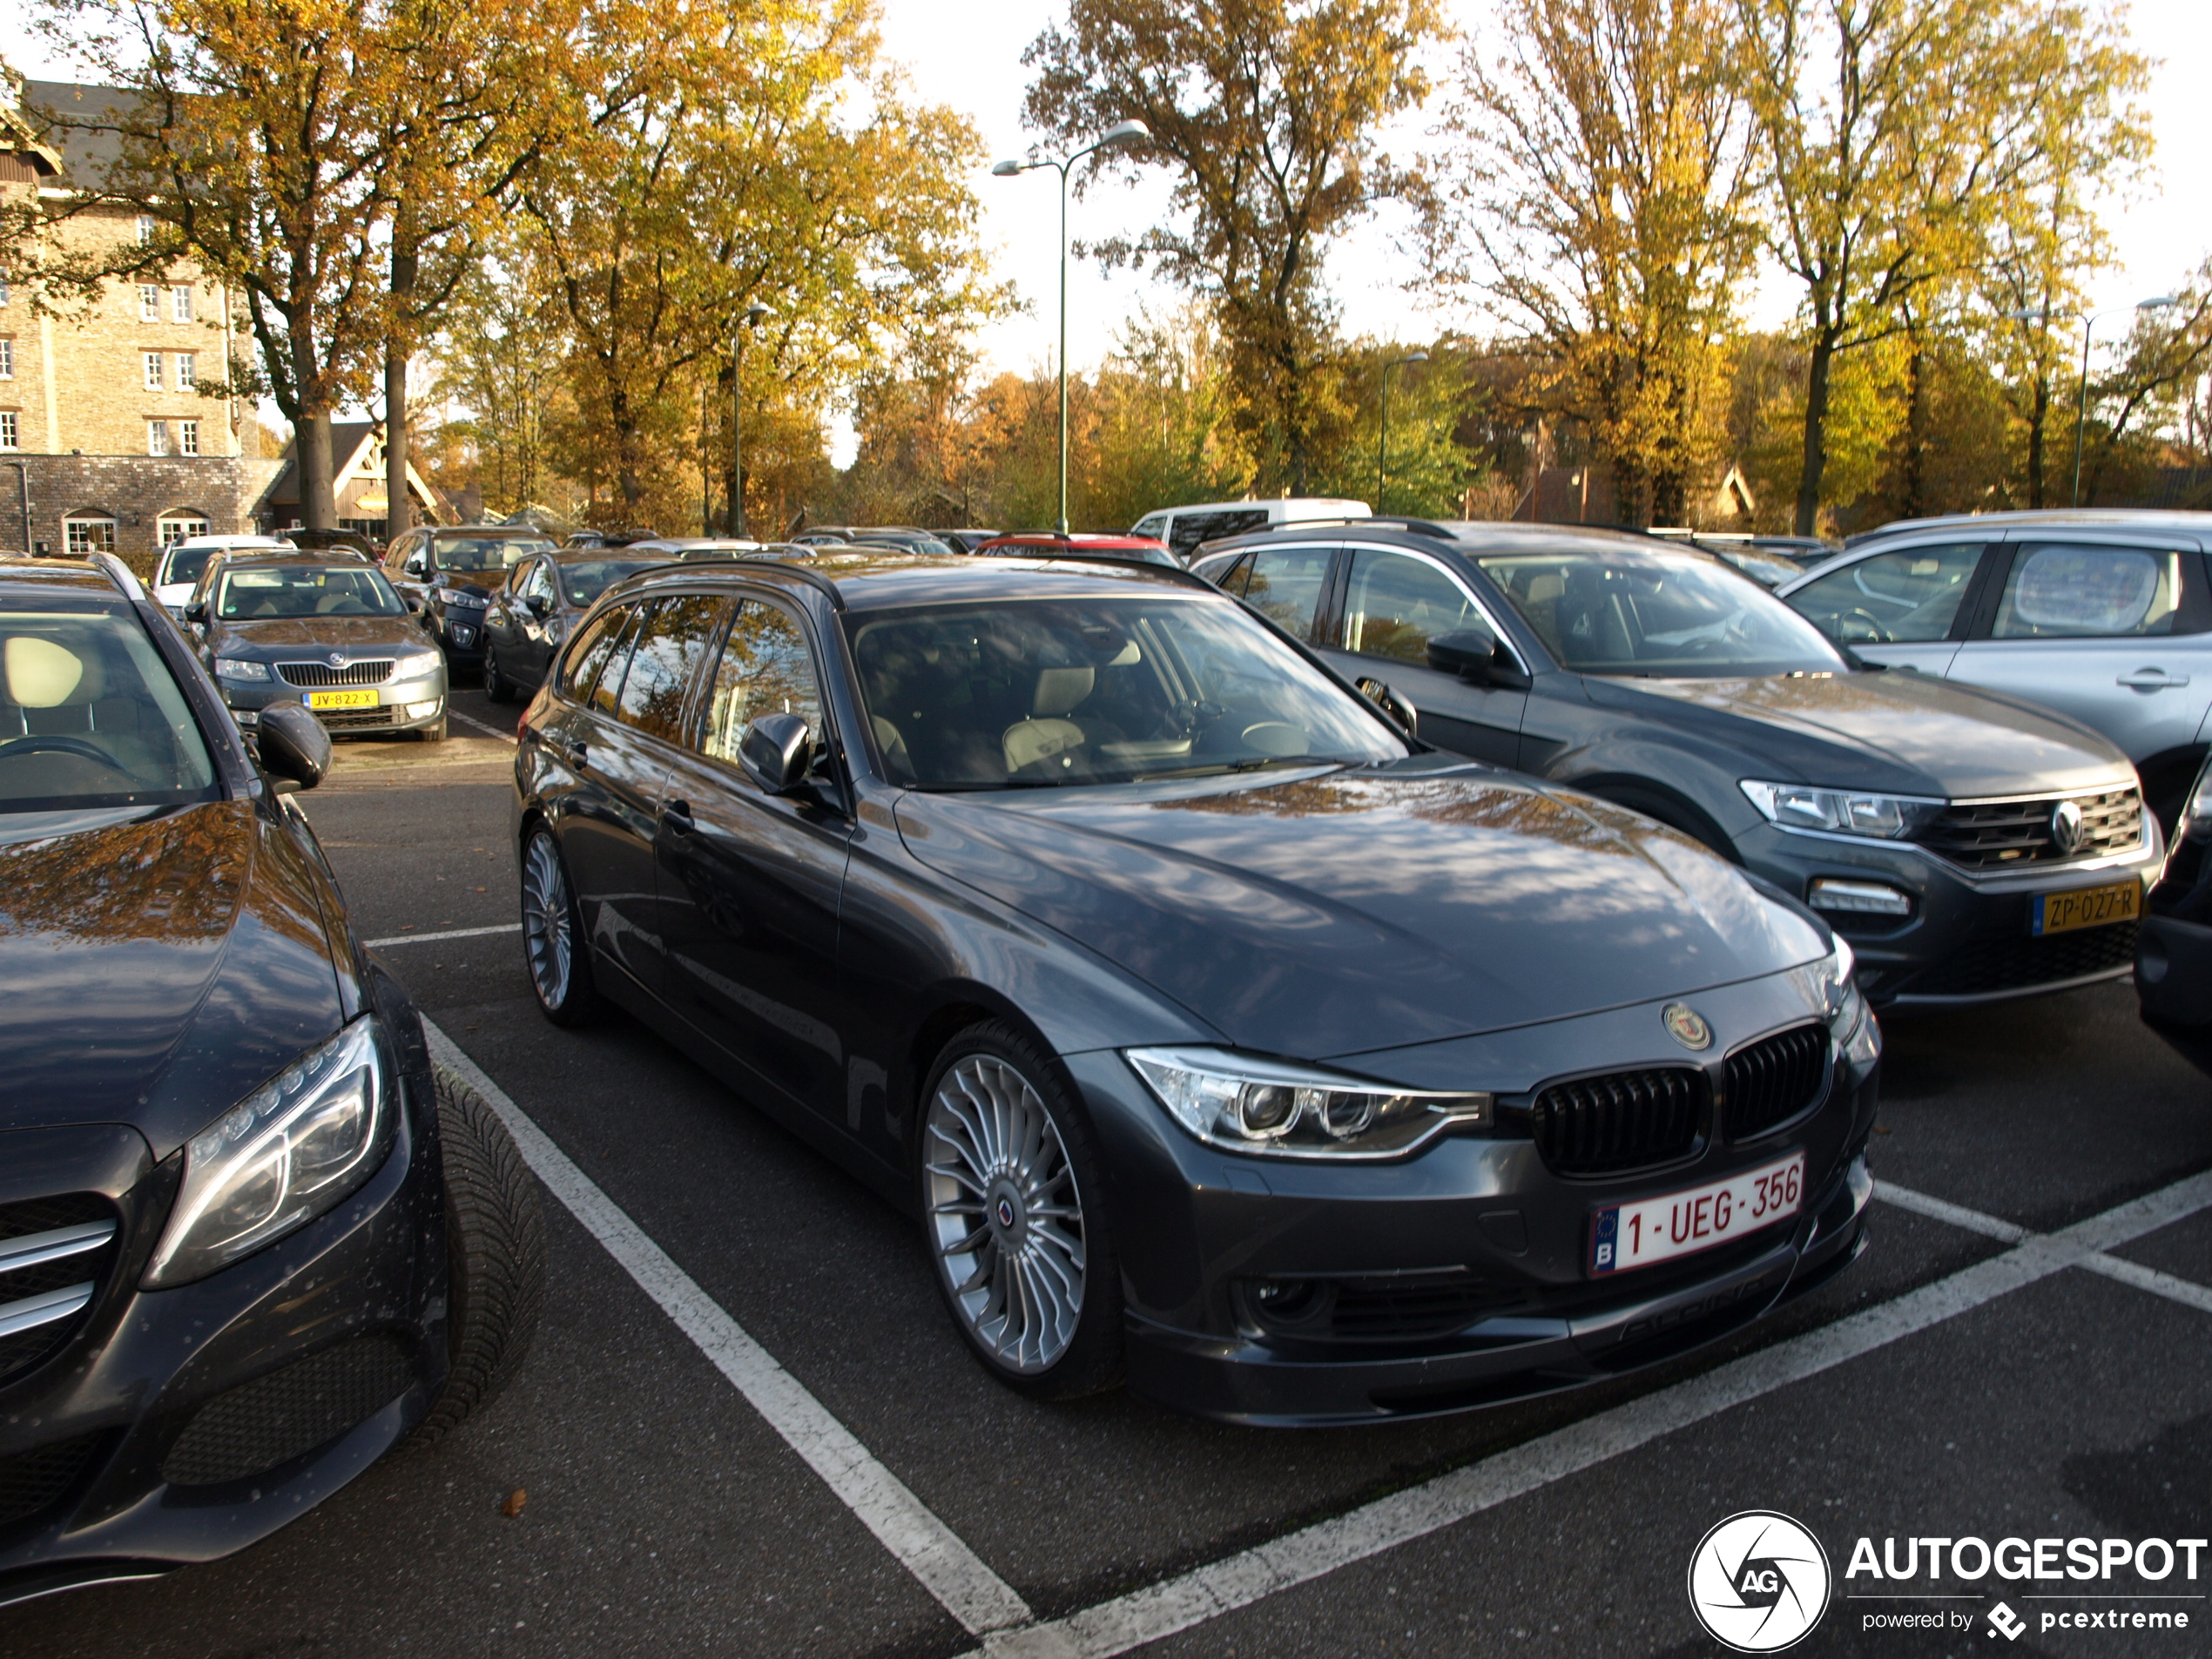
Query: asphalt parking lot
748 1427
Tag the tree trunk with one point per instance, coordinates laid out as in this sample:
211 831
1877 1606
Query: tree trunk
1914 491
311 455
2038 419
1815 452
399 516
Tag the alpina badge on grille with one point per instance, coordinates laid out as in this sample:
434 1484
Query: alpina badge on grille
1686 1026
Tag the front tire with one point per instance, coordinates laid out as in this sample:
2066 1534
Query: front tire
497 686
1013 1203
495 1254
554 948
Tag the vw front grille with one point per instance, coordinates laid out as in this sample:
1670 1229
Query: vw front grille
1991 835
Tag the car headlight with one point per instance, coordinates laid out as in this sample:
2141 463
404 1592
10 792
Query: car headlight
1842 812
1242 1104
1833 988
237 667
295 1147
464 598
2196 823
415 664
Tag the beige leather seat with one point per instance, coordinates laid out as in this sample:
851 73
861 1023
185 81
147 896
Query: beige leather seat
1048 731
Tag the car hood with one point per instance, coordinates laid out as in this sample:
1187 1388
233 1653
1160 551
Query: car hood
279 635
1336 911
154 972
1895 730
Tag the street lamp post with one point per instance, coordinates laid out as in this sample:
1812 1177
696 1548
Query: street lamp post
1382 445
2158 303
755 315
1120 133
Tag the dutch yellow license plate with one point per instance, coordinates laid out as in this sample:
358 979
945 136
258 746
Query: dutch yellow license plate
342 699
2058 912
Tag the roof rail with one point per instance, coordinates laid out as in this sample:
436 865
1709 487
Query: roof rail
121 575
1411 526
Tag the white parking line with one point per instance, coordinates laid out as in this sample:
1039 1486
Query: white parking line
970 1591
454 933
453 713
987 1606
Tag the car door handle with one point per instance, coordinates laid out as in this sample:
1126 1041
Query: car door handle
2151 679
676 815
577 753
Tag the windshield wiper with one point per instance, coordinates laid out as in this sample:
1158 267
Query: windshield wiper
1257 763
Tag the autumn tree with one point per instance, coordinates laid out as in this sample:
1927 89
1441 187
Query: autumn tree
1594 199
1891 134
1269 112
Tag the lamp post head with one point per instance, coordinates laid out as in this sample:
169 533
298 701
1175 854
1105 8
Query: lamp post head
1008 169
2157 302
2021 315
1414 357
1125 132
756 314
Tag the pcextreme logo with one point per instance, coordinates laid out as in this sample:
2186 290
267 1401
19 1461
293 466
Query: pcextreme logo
1759 1582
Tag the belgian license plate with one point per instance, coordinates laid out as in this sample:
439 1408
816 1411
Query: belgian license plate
2058 912
342 699
1681 1223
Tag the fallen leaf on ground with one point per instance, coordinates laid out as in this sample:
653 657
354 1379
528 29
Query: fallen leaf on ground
516 1499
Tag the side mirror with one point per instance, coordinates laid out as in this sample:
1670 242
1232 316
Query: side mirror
412 601
294 747
418 569
1465 652
1400 712
196 611
539 605
776 753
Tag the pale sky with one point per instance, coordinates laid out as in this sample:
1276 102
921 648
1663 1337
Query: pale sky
967 53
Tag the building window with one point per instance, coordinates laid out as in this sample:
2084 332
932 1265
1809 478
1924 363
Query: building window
150 363
11 435
187 437
187 370
3 289
180 304
7 359
84 536
176 527
149 303
146 229
157 437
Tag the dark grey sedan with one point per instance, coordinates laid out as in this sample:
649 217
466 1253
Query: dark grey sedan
1971 846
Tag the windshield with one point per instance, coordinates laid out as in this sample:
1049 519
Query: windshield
1028 693
270 591
587 579
1663 616
182 564
90 716
483 552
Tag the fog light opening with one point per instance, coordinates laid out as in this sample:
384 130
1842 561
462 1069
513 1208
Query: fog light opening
1287 1299
422 710
1857 898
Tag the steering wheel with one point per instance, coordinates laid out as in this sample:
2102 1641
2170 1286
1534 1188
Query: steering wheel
1881 634
61 744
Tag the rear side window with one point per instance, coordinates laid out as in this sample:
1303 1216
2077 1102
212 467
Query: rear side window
592 661
675 637
1286 586
1911 597
2058 591
1399 604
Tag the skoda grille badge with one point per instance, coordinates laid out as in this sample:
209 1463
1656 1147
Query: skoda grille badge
336 660
1686 1026
2065 826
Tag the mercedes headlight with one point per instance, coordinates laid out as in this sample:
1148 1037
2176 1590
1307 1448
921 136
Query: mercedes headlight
295 1147
1842 812
237 667
464 598
1275 1109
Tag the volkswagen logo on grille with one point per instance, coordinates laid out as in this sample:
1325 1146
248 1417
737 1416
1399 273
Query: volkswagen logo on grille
1687 1025
2066 828
337 660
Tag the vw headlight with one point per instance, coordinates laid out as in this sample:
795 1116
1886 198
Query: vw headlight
1242 1104
292 1149
237 667
1841 811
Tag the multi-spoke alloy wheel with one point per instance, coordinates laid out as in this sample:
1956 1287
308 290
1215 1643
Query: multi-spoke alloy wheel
1006 1215
551 938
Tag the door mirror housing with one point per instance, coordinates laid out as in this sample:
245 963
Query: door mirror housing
1402 713
418 567
1465 652
196 612
539 605
294 747
776 753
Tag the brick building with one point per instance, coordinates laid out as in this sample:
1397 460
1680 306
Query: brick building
106 439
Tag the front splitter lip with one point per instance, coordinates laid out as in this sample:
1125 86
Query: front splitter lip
1246 1381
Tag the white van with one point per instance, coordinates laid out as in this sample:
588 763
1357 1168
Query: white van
1184 527
182 562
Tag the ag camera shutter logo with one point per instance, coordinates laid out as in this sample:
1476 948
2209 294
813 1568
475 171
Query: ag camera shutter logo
1759 1582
